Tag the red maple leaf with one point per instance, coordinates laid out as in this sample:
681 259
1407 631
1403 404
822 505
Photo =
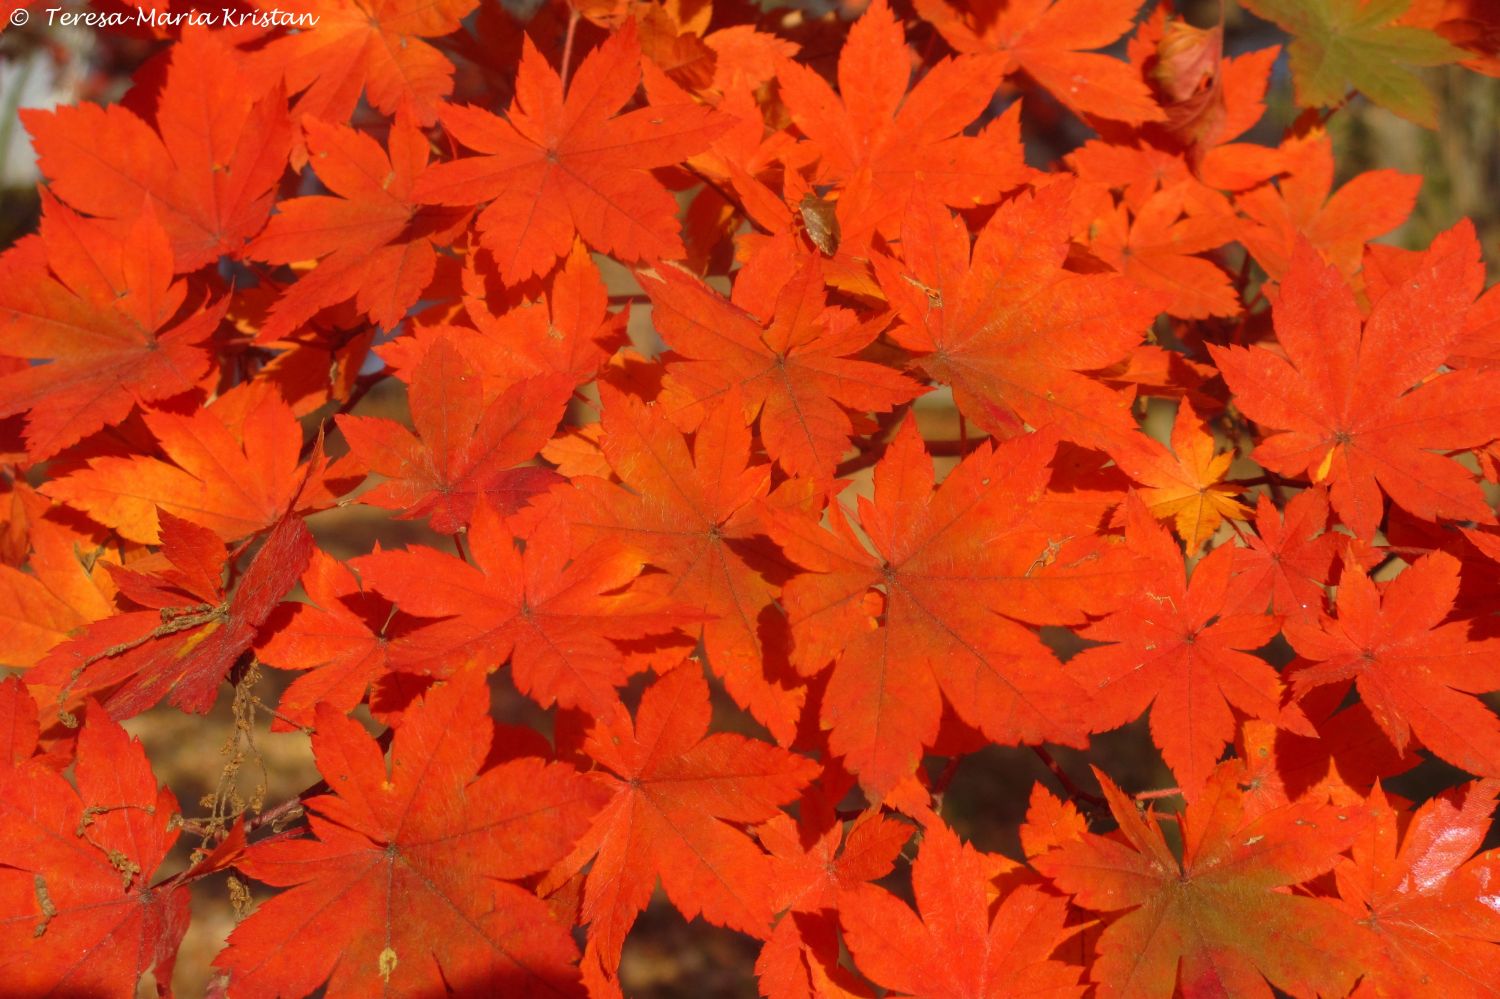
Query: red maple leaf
813 860
1286 564
1219 921
961 946
554 618
1414 671
100 312
957 570
1159 245
190 633
555 166
341 637
1050 39
466 446
1173 648
1303 205
409 879
569 331
679 798
81 911
235 468
692 514
208 167
374 243
906 142
346 49
1423 895
1009 327
795 367
1359 404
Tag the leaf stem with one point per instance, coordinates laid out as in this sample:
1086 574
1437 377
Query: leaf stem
567 55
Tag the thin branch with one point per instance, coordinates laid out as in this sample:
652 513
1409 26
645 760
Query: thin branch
1090 801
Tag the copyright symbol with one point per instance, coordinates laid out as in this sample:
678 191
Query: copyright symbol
19 17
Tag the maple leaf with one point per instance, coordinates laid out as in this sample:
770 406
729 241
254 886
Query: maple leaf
1347 751
19 724
1286 563
1303 203
408 886
374 243
234 469
1174 649
1158 249
341 637
1425 901
840 229
1219 920
958 569
679 796
1358 404
189 634
1050 822
907 142
465 447
1008 327
99 312
795 369
693 515
207 169
569 331
555 166
1185 485
1049 40
81 912
1152 159
553 618
810 875
959 948
1339 45
374 48
813 860
1414 672
1469 24
66 587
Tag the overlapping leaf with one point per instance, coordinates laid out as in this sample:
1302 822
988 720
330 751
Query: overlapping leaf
693 515
1359 404
558 165
1009 327
551 616
678 798
102 315
181 645
206 166
907 142
81 910
1415 671
466 447
935 610
409 877
795 369
1219 921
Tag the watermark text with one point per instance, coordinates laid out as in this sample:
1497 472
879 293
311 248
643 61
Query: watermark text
148 17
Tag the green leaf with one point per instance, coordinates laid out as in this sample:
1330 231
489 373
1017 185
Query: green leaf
1339 45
